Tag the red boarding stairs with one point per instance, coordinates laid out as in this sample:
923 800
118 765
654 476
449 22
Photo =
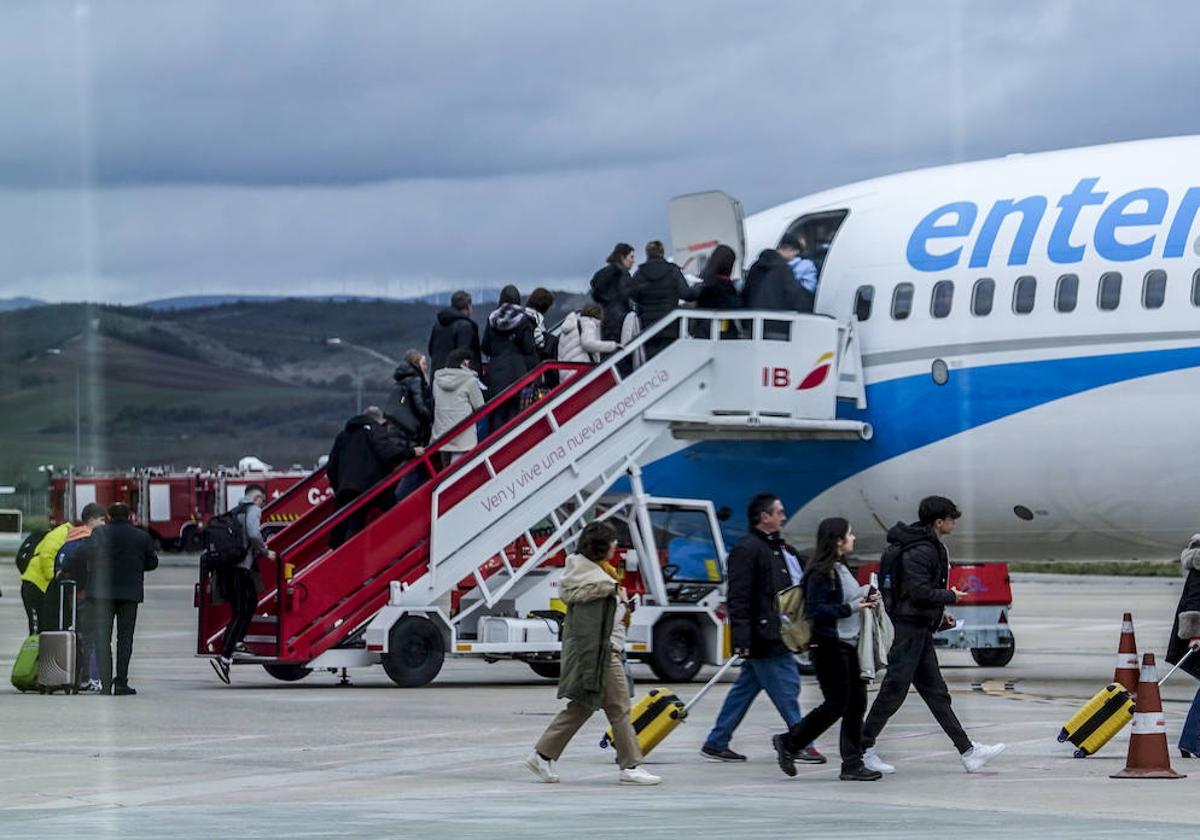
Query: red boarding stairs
733 375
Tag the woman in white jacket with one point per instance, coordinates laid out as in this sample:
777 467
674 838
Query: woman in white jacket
580 341
456 396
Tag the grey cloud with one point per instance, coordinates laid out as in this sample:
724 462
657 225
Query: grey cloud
158 148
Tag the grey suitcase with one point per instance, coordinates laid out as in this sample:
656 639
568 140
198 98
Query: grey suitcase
57 650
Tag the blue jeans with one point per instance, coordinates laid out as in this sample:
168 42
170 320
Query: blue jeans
779 676
1189 738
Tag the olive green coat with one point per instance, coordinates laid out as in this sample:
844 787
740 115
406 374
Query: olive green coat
591 599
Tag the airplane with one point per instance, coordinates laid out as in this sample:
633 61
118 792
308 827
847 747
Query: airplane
1030 338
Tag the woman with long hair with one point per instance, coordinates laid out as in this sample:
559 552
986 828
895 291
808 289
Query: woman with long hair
833 600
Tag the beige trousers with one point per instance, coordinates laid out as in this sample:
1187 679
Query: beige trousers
614 702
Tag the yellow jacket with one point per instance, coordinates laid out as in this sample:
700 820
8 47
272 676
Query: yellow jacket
41 566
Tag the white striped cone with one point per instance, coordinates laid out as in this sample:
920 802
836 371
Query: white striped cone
1149 757
1126 673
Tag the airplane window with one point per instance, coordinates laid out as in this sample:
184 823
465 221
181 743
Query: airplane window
1110 291
1066 293
902 300
1154 288
943 298
1196 288
863 299
982 296
1024 293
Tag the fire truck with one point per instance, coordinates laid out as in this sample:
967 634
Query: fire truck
173 506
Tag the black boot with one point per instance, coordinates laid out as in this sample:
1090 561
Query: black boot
787 761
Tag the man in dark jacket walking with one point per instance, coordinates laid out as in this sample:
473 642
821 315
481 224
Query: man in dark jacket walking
453 329
658 287
771 284
117 557
760 565
913 579
610 288
365 451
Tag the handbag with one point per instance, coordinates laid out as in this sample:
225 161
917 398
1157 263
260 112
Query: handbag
795 628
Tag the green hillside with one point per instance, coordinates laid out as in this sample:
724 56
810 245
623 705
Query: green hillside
197 387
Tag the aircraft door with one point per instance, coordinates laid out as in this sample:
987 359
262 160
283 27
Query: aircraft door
701 221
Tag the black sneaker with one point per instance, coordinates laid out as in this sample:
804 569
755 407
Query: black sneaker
120 690
787 761
714 754
859 774
221 665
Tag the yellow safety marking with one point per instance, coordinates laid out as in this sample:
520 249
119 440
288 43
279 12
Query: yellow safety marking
462 648
638 647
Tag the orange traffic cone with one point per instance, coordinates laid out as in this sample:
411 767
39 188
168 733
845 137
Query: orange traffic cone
1126 674
1148 756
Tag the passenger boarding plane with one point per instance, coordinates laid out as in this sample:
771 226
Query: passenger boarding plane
1030 335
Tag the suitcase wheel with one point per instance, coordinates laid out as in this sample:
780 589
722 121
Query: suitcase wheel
1081 753
1062 736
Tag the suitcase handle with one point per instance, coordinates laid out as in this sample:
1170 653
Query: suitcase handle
712 681
62 597
1182 659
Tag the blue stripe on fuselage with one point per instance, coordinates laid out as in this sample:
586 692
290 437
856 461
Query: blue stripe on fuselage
906 414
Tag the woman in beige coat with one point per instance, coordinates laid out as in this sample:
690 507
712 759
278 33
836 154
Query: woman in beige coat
456 396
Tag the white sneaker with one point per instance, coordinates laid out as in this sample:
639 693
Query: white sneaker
873 762
541 767
638 776
979 755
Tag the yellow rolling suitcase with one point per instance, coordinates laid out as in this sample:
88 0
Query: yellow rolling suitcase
656 715
1099 720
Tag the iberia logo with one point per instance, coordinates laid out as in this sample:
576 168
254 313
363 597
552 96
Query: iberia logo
818 374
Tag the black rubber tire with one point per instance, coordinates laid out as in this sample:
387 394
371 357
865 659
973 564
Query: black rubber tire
544 668
993 657
287 673
678 650
415 652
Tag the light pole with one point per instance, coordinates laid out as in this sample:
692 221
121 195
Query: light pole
358 383
56 351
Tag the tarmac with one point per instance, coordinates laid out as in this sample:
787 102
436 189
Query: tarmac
190 757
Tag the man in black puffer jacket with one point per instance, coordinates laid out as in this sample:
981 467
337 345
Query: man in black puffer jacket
920 570
760 565
770 283
453 329
658 287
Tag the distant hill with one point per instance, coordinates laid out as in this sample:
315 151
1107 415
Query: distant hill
196 386
9 304
202 301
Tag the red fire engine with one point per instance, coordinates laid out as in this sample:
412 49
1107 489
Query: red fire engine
174 506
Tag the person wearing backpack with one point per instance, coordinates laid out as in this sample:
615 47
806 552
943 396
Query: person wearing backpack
237 578
70 567
761 565
914 573
833 602
410 405
39 572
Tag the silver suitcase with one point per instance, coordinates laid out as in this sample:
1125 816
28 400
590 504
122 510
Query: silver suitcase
57 650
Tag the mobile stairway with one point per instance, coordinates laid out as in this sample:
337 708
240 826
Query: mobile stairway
478 541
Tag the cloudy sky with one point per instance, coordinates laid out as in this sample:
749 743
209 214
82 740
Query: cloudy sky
158 148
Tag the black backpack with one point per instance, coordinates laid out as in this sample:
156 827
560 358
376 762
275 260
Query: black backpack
889 575
28 548
225 542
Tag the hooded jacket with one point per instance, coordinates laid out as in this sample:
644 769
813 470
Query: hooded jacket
771 285
923 567
410 404
457 397
610 288
1187 612
451 330
364 452
40 570
658 287
591 599
509 345
579 340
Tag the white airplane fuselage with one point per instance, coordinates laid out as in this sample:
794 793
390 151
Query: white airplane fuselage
1061 431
